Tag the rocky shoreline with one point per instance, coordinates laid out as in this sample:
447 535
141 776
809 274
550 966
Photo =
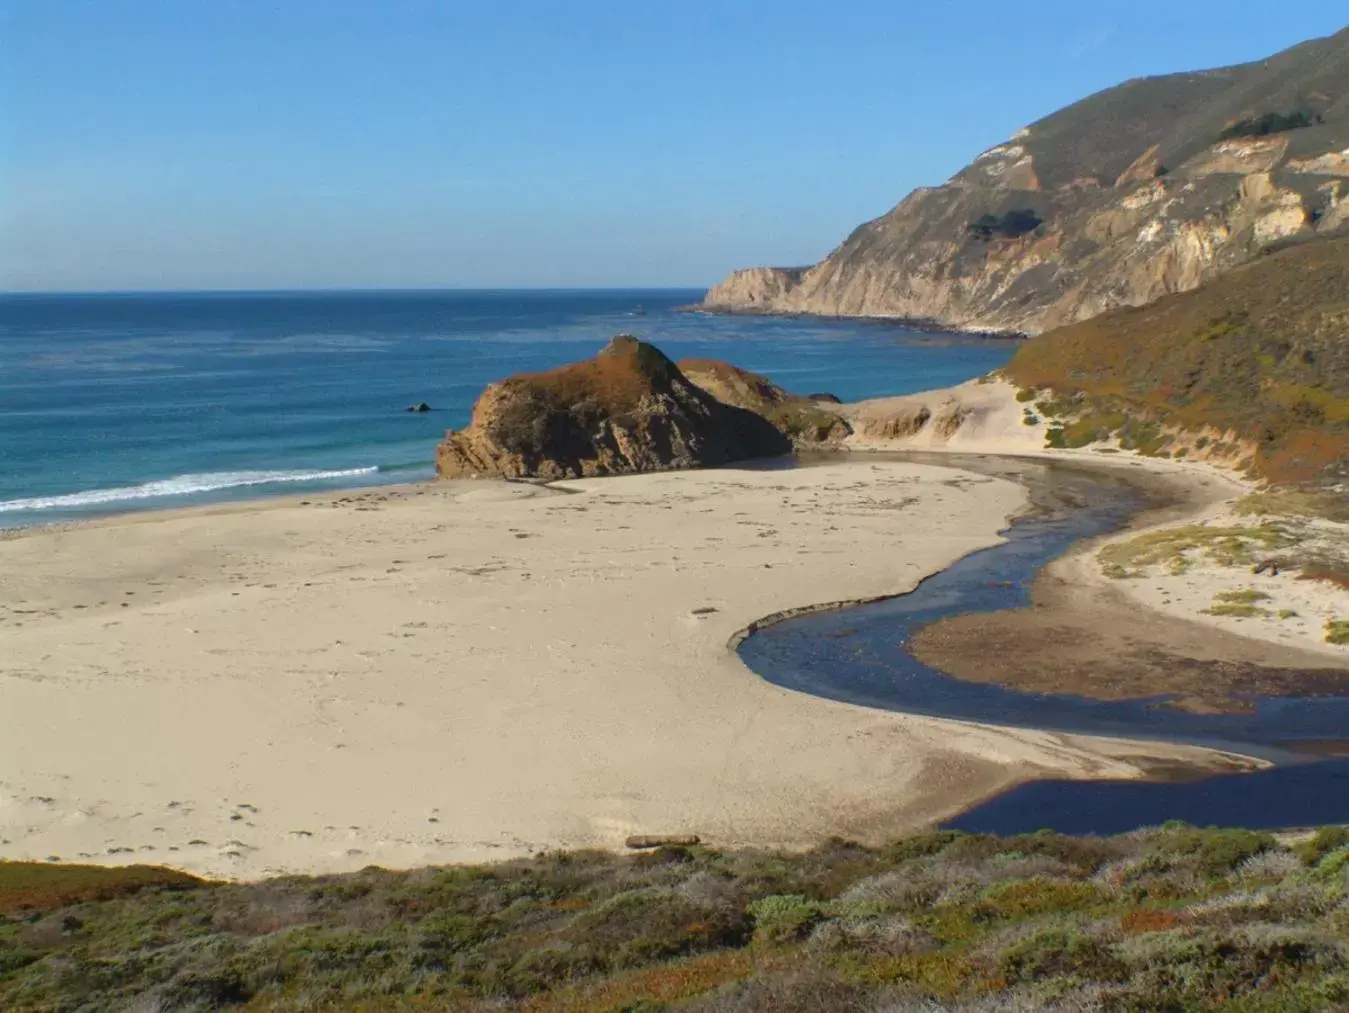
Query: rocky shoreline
926 325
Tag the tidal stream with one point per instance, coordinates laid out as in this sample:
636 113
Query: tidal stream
858 654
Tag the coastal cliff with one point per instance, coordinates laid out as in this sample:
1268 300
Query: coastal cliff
1144 190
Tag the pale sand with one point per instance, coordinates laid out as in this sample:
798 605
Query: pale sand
473 671
994 424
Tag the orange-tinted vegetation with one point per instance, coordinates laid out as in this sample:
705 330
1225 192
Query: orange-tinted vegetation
27 887
1258 358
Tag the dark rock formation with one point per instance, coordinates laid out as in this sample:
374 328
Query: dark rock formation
1139 191
420 406
629 409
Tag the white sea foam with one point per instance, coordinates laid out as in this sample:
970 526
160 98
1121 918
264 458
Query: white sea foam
179 485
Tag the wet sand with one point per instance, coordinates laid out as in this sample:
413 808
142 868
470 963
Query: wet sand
1085 635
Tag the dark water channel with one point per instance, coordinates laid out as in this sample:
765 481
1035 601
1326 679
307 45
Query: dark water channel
857 654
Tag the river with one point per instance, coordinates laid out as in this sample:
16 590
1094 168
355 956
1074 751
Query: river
858 654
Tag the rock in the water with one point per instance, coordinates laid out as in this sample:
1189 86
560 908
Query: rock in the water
629 409
800 419
420 406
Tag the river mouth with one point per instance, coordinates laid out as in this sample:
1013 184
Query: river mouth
862 654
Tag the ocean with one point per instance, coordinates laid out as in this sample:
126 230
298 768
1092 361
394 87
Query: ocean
111 403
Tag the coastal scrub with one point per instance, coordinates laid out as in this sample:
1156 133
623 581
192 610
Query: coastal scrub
1171 917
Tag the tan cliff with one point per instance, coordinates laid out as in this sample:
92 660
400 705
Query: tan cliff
1137 192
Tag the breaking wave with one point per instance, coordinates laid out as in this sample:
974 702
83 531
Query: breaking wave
179 485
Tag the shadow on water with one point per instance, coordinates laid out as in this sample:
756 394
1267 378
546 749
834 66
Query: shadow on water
858 654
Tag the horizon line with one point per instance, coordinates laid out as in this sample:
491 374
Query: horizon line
352 290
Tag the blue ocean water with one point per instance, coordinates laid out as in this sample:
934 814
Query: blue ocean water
122 402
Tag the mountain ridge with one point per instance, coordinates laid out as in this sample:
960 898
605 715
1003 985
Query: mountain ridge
1138 191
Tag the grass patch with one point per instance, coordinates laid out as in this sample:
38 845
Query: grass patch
1225 546
1295 503
1246 596
1337 631
1235 610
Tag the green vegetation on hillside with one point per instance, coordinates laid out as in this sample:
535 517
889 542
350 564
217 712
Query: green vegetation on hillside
1271 123
1254 363
1008 225
1170 918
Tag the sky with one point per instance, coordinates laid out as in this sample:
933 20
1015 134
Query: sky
263 144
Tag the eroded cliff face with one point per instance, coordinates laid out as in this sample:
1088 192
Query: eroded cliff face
1144 190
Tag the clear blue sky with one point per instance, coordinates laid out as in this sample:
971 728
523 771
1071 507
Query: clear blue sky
158 144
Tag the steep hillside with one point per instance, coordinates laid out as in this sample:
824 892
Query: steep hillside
1253 366
1136 192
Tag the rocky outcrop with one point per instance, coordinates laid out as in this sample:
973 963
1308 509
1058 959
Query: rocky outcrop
800 419
1143 190
629 409
756 288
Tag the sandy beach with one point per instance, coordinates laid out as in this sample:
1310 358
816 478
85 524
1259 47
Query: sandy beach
467 671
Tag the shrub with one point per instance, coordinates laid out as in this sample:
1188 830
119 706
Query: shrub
922 845
1270 123
645 925
782 918
1140 920
1009 225
1334 863
1274 865
1215 852
1058 952
1322 843
1235 611
1337 631
1245 596
886 935
1038 896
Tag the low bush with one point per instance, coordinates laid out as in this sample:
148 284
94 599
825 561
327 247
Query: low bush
782 918
1322 843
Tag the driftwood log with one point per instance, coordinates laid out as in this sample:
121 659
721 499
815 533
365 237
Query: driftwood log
642 842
